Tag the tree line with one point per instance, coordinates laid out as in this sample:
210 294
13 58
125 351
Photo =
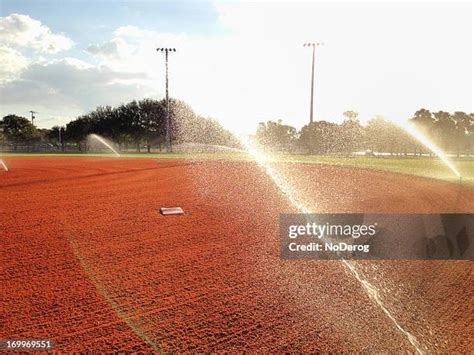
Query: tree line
453 133
139 124
131 125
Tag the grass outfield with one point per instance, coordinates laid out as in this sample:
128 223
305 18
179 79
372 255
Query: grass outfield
427 167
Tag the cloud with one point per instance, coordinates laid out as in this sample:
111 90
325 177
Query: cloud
11 63
70 85
21 31
66 87
110 50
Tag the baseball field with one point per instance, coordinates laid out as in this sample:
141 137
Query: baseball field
90 263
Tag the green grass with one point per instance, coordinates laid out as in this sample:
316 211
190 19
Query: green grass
426 167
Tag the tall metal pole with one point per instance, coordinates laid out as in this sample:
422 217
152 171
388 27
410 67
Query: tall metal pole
168 134
311 105
168 128
312 88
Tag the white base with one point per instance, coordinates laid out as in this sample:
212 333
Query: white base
166 211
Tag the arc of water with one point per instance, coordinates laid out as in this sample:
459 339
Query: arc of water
428 143
289 193
104 142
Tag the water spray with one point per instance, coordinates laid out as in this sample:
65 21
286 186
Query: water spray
428 143
286 189
104 142
411 129
372 292
2 163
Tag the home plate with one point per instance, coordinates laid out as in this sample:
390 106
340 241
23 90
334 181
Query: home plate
165 211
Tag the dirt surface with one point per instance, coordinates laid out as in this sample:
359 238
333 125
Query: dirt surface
88 261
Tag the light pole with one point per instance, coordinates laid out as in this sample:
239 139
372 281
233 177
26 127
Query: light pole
33 117
313 45
168 133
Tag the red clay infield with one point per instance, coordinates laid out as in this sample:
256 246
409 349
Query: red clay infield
88 261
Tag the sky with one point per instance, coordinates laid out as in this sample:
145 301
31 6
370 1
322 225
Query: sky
238 62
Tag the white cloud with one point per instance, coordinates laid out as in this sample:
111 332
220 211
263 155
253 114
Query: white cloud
22 31
62 87
11 63
68 86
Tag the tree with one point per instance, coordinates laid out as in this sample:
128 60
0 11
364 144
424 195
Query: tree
77 130
423 117
56 135
444 130
382 135
153 115
351 133
321 137
350 115
145 121
189 127
276 135
19 129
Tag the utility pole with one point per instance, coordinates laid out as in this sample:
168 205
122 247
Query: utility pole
33 117
168 133
313 45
